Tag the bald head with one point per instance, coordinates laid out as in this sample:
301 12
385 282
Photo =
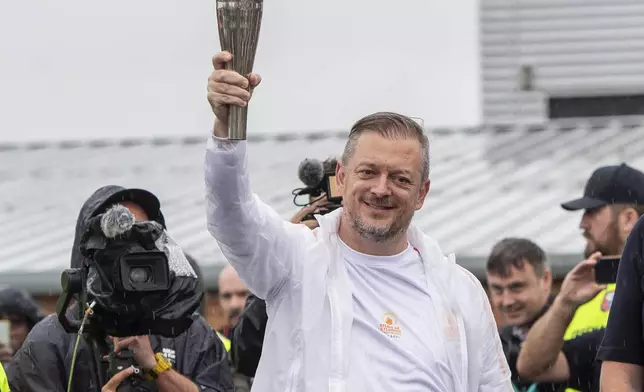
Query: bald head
232 294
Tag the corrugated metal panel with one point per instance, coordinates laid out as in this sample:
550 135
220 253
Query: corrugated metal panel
486 185
574 47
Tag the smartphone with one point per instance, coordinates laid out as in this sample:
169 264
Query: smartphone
606 269
5 332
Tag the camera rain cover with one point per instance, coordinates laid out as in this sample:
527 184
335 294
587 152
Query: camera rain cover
139 277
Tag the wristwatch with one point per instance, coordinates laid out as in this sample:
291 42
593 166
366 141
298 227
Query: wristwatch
162 365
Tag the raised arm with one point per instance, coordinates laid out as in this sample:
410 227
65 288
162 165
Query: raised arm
541 357
262 247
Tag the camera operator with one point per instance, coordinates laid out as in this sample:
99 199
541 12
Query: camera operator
138 318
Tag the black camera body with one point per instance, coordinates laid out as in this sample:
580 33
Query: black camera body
139 280
119 362
328 185
319 178
142 272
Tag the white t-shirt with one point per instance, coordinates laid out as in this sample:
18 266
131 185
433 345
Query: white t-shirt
396 343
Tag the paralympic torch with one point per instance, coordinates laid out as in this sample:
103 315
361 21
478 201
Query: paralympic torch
239 22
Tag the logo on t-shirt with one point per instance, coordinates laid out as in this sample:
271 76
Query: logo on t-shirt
390 326
170 355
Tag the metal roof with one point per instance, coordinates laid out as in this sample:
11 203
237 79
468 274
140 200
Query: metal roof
487 183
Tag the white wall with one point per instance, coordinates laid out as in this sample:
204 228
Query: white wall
87 69
576 48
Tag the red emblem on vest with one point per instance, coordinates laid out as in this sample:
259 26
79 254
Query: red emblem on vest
608 301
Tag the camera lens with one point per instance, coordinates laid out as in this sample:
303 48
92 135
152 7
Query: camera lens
139 275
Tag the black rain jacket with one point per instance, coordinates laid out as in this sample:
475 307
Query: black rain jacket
43 364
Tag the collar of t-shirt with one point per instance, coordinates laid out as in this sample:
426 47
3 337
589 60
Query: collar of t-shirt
362 258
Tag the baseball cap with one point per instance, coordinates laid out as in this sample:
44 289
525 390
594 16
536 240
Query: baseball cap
145 199
620 184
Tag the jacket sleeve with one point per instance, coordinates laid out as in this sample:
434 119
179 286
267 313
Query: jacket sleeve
36 367
495 376
622 341
206 359
260 245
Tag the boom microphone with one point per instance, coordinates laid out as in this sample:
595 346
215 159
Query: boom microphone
116 221
311 172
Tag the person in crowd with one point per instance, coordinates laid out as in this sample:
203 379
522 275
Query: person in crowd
232 298
232 295
22 313
519 282
613 202
344 300
193 361
622 351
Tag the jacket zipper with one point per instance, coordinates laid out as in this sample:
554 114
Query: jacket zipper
335 378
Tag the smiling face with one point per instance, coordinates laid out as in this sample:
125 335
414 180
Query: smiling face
382 185
520 295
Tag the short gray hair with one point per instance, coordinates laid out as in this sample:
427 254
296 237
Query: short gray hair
389 125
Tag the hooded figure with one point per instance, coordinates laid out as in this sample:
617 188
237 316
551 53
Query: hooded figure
44 363
22 311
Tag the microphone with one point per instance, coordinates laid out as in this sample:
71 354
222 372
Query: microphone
311 172
116 221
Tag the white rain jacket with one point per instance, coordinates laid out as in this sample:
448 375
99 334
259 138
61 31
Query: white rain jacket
301 275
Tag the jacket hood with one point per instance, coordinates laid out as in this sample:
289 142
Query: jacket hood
18 302
101 199
195 266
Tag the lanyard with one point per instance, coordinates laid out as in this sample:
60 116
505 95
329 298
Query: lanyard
531 388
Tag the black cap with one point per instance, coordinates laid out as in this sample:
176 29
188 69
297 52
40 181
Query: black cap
610 185
145 199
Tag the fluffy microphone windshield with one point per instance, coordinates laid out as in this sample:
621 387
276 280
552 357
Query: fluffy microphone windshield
311 172
116 221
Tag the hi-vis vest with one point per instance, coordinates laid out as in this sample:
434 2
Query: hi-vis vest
4 383
223 339
590 316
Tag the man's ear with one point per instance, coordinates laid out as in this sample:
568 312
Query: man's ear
627 220
547 277
340 177
424 190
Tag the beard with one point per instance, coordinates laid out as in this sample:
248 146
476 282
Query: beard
612 246
379 234
233 316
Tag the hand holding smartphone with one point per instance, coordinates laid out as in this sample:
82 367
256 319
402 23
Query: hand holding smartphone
606 269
